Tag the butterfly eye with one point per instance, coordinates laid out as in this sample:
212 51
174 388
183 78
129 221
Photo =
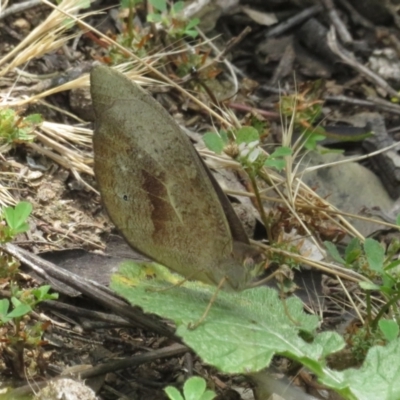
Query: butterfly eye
125 197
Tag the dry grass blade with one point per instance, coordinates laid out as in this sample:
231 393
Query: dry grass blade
6 198
46 37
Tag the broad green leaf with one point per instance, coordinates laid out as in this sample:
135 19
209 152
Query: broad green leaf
244 330
68 23
378 377
389 328
160 5
195 388
281 152
42 293
125 3
16 216
177 7
375 254
398 220
19 311
35 118
224 136
173 393
247 134
258 315
274 163
153 17
129 3
208 395
213 142
312 140
192 33
353 250
4 306
192 23
334 253
15 301
392 265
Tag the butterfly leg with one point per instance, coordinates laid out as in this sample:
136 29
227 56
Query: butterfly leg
193 326
180 283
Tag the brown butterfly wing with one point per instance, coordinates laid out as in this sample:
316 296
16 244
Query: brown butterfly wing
155 189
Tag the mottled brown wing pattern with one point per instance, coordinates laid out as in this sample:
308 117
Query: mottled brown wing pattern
154 186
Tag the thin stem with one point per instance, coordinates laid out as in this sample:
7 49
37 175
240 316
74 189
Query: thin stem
383 310
264 217
368 300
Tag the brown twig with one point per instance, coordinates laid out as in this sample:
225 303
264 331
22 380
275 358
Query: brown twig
17 8
350 59
341 28
93 290
290 23
170 351
356 16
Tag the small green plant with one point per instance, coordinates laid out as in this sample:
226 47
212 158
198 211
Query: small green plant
306 109
195 388
143 41
16 129
245 147
171 20
22 303
18 335
372 261
15 218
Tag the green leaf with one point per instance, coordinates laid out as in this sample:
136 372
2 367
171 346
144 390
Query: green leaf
42 293
160 5
68 23
334 253
281 152
213 142
16 217
195 388
247 134
15 301
392 265
398 220
369 285
154 17
4 306
35 118
192 23
269 326
192 33
389 281
126 3
378 377
274 163
208 395
19 311
353 250
224 136
389 328
173 393
375 254
312 140
177 7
